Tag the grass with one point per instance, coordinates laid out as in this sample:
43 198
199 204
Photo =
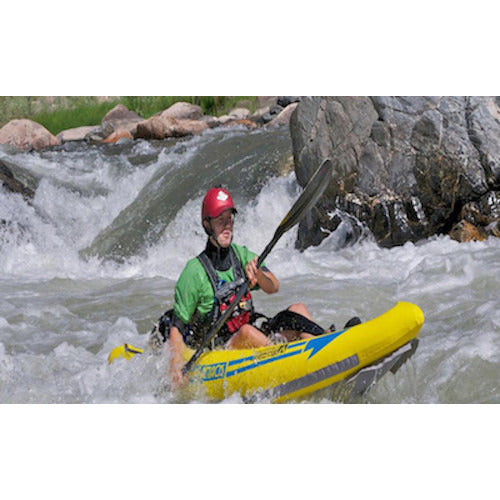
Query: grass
62 119
64 112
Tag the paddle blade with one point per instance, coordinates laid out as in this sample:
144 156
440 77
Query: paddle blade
307 199
314 189
126 351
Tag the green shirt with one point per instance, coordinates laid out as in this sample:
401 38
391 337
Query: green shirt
194 292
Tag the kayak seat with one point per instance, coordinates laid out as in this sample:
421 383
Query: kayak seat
353 322
289 320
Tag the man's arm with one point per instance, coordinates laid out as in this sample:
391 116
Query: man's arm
265 279
176 345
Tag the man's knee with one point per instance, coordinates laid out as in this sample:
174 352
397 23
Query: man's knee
247 336
247 329
298 308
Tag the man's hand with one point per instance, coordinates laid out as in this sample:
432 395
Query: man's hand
266 279
176 345
176 375
251 272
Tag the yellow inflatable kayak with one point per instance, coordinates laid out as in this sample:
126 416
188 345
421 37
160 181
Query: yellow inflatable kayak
347 362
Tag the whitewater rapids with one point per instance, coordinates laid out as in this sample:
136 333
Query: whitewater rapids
92 262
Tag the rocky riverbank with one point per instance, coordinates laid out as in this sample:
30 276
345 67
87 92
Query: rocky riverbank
406 168
180 120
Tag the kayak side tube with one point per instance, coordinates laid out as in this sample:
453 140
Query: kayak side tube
288 371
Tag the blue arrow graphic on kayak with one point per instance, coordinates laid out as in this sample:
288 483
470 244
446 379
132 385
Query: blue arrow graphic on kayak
316 344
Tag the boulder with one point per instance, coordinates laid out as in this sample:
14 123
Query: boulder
464 231
155 127
121 118
285 101
121 112
118 135
259 114
405 168
99 133
161 127
74 134
247 123
10 183
182 128
239 114
224 119
211 121
183 111
283 118
27 134
272 113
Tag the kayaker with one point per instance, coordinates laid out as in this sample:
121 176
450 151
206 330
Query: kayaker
210 281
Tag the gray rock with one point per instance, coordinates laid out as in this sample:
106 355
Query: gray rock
284 117
287 100
74 134
10 183
98 134
405 167
239 114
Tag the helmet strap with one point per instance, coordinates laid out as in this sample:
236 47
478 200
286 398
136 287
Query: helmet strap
211 234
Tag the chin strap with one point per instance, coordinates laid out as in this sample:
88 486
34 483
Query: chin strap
212 235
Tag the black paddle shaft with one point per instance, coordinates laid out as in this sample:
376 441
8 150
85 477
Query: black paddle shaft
307 199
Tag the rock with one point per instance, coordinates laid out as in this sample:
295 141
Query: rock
283 118
272 113
10 183
183 111
183 128
286 101
483 211
74 134
493 229
259 114
98 134
155 127
118 135
247 123
121 112
239 114
464 231
161 127
405 167
27 134
224 119
211 121
120 118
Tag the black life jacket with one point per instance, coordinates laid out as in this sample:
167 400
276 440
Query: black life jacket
225 293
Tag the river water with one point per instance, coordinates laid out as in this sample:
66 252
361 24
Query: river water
92 262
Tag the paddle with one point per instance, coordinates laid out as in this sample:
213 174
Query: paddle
307 199
126 351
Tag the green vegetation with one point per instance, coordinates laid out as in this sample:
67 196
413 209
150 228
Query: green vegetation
62 113
79 116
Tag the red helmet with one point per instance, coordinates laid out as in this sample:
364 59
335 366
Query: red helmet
215 202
